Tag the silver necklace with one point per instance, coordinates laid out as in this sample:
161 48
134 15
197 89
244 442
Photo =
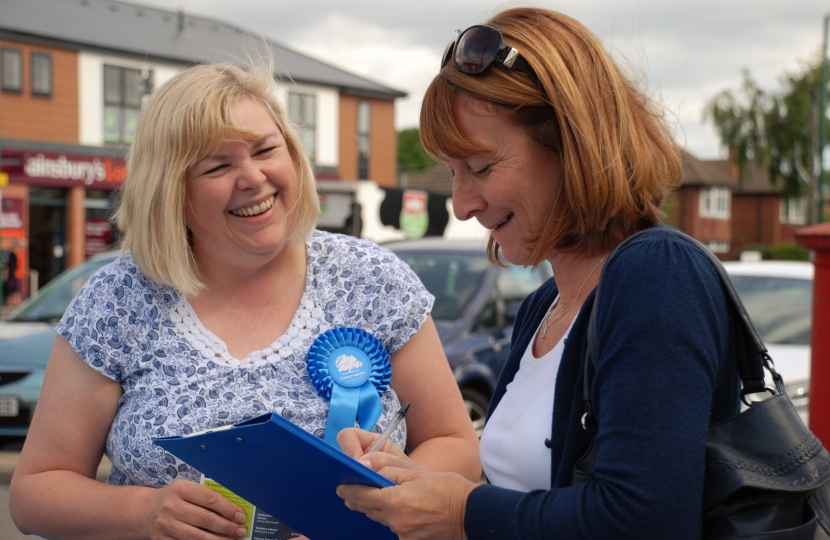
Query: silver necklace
547 322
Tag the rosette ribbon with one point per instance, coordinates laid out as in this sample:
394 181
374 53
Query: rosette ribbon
350 369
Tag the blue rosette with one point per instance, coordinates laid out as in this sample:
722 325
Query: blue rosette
351 370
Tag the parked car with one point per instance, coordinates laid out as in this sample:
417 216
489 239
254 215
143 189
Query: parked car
778 297
26 338
475 304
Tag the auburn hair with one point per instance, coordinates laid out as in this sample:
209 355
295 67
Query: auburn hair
618 155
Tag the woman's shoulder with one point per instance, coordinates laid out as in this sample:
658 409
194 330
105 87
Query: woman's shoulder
361 256
660 250
122 283
660 269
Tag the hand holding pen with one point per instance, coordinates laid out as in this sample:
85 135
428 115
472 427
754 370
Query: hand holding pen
387 432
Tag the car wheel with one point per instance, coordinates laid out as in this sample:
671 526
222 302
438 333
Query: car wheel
476 404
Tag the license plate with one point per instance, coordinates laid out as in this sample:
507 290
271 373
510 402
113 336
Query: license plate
9 406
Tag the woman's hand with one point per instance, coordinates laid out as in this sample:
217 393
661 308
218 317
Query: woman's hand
356 442
188 511
424 505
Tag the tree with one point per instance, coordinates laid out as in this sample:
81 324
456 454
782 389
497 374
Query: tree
411 154
778 130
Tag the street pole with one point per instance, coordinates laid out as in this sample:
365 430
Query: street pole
822 120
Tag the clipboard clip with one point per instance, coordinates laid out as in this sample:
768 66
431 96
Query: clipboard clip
211 430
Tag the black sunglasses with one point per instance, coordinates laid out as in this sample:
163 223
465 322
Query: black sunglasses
474 49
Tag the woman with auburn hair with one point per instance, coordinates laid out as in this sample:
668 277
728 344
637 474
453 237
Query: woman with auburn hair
221 259
562 158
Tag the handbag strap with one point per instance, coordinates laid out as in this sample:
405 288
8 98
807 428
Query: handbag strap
750 351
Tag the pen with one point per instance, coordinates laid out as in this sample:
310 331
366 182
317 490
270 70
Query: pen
389 429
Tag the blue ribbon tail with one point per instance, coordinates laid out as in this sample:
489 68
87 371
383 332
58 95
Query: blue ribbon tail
343 410
370 406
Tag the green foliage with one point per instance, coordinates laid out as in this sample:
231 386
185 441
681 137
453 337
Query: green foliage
789 252
411 154
671 211
780 252
772 128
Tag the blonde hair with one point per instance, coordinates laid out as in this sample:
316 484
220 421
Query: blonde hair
182 122
618 156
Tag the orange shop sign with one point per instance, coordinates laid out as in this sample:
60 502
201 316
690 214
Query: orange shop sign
64 170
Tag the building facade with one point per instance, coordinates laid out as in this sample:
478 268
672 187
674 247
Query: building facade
74 76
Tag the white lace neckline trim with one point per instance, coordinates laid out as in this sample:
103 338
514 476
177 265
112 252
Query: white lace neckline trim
305 324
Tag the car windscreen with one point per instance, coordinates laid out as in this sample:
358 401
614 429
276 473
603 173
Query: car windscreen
53 299
780 308
451 277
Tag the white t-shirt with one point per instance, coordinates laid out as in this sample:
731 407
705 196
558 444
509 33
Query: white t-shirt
513 451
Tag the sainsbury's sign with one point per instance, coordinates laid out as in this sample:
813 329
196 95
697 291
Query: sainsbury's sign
63 170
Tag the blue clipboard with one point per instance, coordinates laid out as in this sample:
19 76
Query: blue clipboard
286 471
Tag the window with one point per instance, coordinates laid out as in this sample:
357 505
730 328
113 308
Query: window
124 89
793 211
715 202
41 74
364 120
780 308
12 70
452 278
513 285
302 111
718 246
516 282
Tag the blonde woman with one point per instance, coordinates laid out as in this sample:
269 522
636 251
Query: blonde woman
207 318
556 152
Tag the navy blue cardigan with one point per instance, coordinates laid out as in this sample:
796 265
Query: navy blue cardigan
665 372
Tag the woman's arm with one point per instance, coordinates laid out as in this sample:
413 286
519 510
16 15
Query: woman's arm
53 492
440 436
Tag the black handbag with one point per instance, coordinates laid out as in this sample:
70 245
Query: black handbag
766 474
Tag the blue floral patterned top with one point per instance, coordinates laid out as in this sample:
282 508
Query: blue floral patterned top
178 377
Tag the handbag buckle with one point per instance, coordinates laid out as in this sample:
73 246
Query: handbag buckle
588 422
748 403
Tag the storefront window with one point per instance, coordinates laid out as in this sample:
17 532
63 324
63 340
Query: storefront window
99 229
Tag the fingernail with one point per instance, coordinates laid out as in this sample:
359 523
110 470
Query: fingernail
240 517
348 505
364 461
240 532
338 492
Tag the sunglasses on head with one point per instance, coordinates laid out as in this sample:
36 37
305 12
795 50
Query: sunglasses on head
476 48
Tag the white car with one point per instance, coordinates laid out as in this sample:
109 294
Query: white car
778 295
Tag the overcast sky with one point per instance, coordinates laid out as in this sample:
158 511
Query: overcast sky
683 52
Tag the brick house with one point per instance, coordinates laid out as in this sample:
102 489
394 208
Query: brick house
760 215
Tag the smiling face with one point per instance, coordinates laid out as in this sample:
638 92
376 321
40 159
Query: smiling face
512 189
238 197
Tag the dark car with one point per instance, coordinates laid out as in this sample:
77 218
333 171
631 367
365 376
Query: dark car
475 306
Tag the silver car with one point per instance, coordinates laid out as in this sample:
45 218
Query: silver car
779 296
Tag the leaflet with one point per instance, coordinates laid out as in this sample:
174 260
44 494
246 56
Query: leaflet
258 524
